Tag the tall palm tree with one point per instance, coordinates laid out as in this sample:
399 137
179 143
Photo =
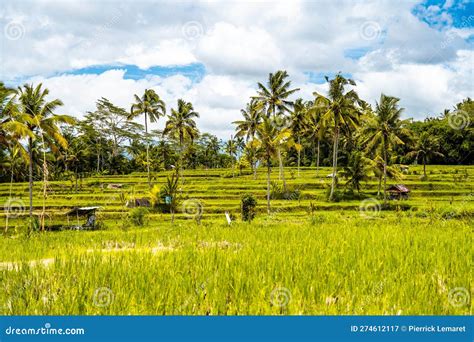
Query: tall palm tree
181 125
275 98
385 130
150 105
231 149
38 115
341 108
425 148
270 139
314 128
297 124
248 126
357 170
252 118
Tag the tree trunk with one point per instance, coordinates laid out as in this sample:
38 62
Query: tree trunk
334 163
380 185
282 172
268 185
30 175
317 161
9 196
233 166
147 152
254 169
384 172
98 157
76 176
299 155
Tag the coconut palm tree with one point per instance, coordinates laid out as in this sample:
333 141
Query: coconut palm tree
231 149
341 108
181 125
385 130
357 170
269 141
314 128
252 118
151 106
297 124
378 169
425 148
38 115
274 96
248 126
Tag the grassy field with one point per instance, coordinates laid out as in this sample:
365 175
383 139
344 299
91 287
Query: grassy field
339 259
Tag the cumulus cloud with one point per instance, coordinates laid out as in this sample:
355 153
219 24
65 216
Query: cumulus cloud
399 48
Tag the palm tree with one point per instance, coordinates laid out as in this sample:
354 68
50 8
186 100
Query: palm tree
385 130
248 126
314 128
340 107
425 148
274 96
270 140
357 170
297 124
150 105
231 149
378 169
38 115
252 118
181 125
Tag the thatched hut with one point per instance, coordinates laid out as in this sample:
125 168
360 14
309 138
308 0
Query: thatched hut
398 191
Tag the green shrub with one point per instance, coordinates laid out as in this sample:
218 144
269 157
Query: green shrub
248 206
137 216
277 192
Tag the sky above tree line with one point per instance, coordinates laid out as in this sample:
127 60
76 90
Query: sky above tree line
213 53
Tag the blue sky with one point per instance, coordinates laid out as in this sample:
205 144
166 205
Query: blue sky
214 53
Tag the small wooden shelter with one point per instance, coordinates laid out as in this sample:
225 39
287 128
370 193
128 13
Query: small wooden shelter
398 191
88 212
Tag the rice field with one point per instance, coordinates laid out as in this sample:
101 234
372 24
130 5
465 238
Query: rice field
338 258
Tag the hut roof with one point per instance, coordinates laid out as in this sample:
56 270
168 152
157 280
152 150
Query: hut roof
398 188
81 211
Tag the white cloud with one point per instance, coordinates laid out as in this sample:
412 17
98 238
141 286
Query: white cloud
239 50
238 43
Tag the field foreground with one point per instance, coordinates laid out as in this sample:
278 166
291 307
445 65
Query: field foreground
335 260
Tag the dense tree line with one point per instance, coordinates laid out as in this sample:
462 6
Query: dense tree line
337 129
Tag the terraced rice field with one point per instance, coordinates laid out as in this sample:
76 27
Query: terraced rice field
413 259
